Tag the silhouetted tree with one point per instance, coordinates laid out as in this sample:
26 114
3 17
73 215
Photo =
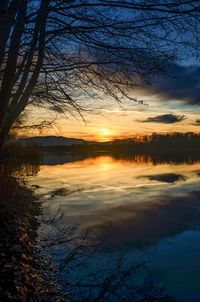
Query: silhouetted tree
63 53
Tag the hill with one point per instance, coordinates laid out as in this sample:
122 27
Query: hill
51 141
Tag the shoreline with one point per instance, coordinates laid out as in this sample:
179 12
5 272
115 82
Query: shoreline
25 273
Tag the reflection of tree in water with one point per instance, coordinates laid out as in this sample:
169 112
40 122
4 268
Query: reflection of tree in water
20 162
87 270
155 158
27 170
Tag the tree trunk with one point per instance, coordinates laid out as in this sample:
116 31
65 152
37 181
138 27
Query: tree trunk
4 132
3 138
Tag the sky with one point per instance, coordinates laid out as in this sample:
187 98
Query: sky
172 104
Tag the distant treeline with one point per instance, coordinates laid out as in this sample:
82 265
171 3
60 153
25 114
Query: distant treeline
157 148
160 143
156 143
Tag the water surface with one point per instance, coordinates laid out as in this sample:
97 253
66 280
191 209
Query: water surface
151 210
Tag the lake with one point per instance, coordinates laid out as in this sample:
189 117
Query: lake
147 208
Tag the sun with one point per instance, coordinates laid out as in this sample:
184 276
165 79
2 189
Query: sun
105 133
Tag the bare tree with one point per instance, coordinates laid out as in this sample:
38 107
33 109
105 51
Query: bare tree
63 53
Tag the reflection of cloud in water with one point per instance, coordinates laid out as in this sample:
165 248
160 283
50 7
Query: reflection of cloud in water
64 192
146 224
197 172
165 177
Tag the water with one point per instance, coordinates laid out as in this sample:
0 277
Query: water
149 209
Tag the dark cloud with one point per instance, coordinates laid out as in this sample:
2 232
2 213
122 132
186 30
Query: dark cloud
183 83
196 123
165 119
197 172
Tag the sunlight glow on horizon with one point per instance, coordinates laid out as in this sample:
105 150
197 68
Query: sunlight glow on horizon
115 123
104 134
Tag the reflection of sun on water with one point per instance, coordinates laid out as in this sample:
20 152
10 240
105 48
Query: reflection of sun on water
105 163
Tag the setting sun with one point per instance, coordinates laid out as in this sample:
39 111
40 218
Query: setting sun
104 132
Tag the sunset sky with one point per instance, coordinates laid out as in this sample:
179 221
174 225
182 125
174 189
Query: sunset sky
172 104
